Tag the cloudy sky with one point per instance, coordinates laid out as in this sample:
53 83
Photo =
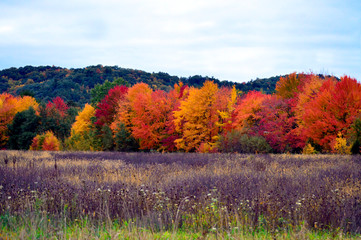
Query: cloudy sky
235 40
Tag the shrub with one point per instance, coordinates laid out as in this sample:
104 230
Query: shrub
235 141
45 142
340 145
309 149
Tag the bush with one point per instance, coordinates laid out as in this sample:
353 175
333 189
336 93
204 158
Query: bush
236 141
45 142
309 149
340 145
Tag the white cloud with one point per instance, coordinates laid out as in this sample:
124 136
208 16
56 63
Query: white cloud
235 40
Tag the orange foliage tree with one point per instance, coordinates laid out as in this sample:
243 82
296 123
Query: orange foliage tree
145 113
333 110
245 114
45 142
199 119
9 106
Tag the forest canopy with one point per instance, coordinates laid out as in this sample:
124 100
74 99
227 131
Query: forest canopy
306 113
74 85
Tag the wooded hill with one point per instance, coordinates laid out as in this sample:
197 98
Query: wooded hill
74 85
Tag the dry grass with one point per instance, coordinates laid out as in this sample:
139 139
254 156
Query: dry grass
198 192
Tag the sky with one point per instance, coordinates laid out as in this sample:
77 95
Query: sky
235 40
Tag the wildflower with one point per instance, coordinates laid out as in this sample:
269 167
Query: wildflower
9 197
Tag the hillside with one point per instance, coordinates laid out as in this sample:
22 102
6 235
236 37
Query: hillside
74 85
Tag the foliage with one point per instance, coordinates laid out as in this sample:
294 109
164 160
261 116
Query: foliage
57 117
46 142
245 115
101 90
107 138
83 122
85 141
198 116
340 145
106 108
277 125
356 136
124 141
287 86
23 129
309 149
9 107
83 135
236 141
48 82
306 108
333 110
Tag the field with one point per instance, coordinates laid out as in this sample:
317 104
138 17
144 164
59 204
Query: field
65 195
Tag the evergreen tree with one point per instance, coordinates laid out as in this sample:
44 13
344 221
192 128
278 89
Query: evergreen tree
23 129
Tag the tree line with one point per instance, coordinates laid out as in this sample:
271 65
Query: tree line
308 113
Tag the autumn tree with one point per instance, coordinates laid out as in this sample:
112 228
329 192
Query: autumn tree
46 142
277 124
9 107
307 92
126 113
333 110
106 108
175 96
245 114
287 86
57 117
82 135
101 90
198 118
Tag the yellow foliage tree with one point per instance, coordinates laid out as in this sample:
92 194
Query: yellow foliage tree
81 137
309 149
198 119
340 145
25 102
83 120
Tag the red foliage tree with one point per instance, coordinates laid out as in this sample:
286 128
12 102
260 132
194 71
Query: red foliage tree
333 110
57 105
106 108
278 126
245 114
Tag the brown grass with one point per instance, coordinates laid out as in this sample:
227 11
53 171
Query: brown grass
188 191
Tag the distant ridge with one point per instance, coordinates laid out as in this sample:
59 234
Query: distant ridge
74 84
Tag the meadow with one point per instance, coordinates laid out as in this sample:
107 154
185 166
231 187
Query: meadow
108 195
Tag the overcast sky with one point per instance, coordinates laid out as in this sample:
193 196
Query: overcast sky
235 40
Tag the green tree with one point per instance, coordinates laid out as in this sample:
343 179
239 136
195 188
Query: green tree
356 136
236 141
124 142
101 90
107 138
23 129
